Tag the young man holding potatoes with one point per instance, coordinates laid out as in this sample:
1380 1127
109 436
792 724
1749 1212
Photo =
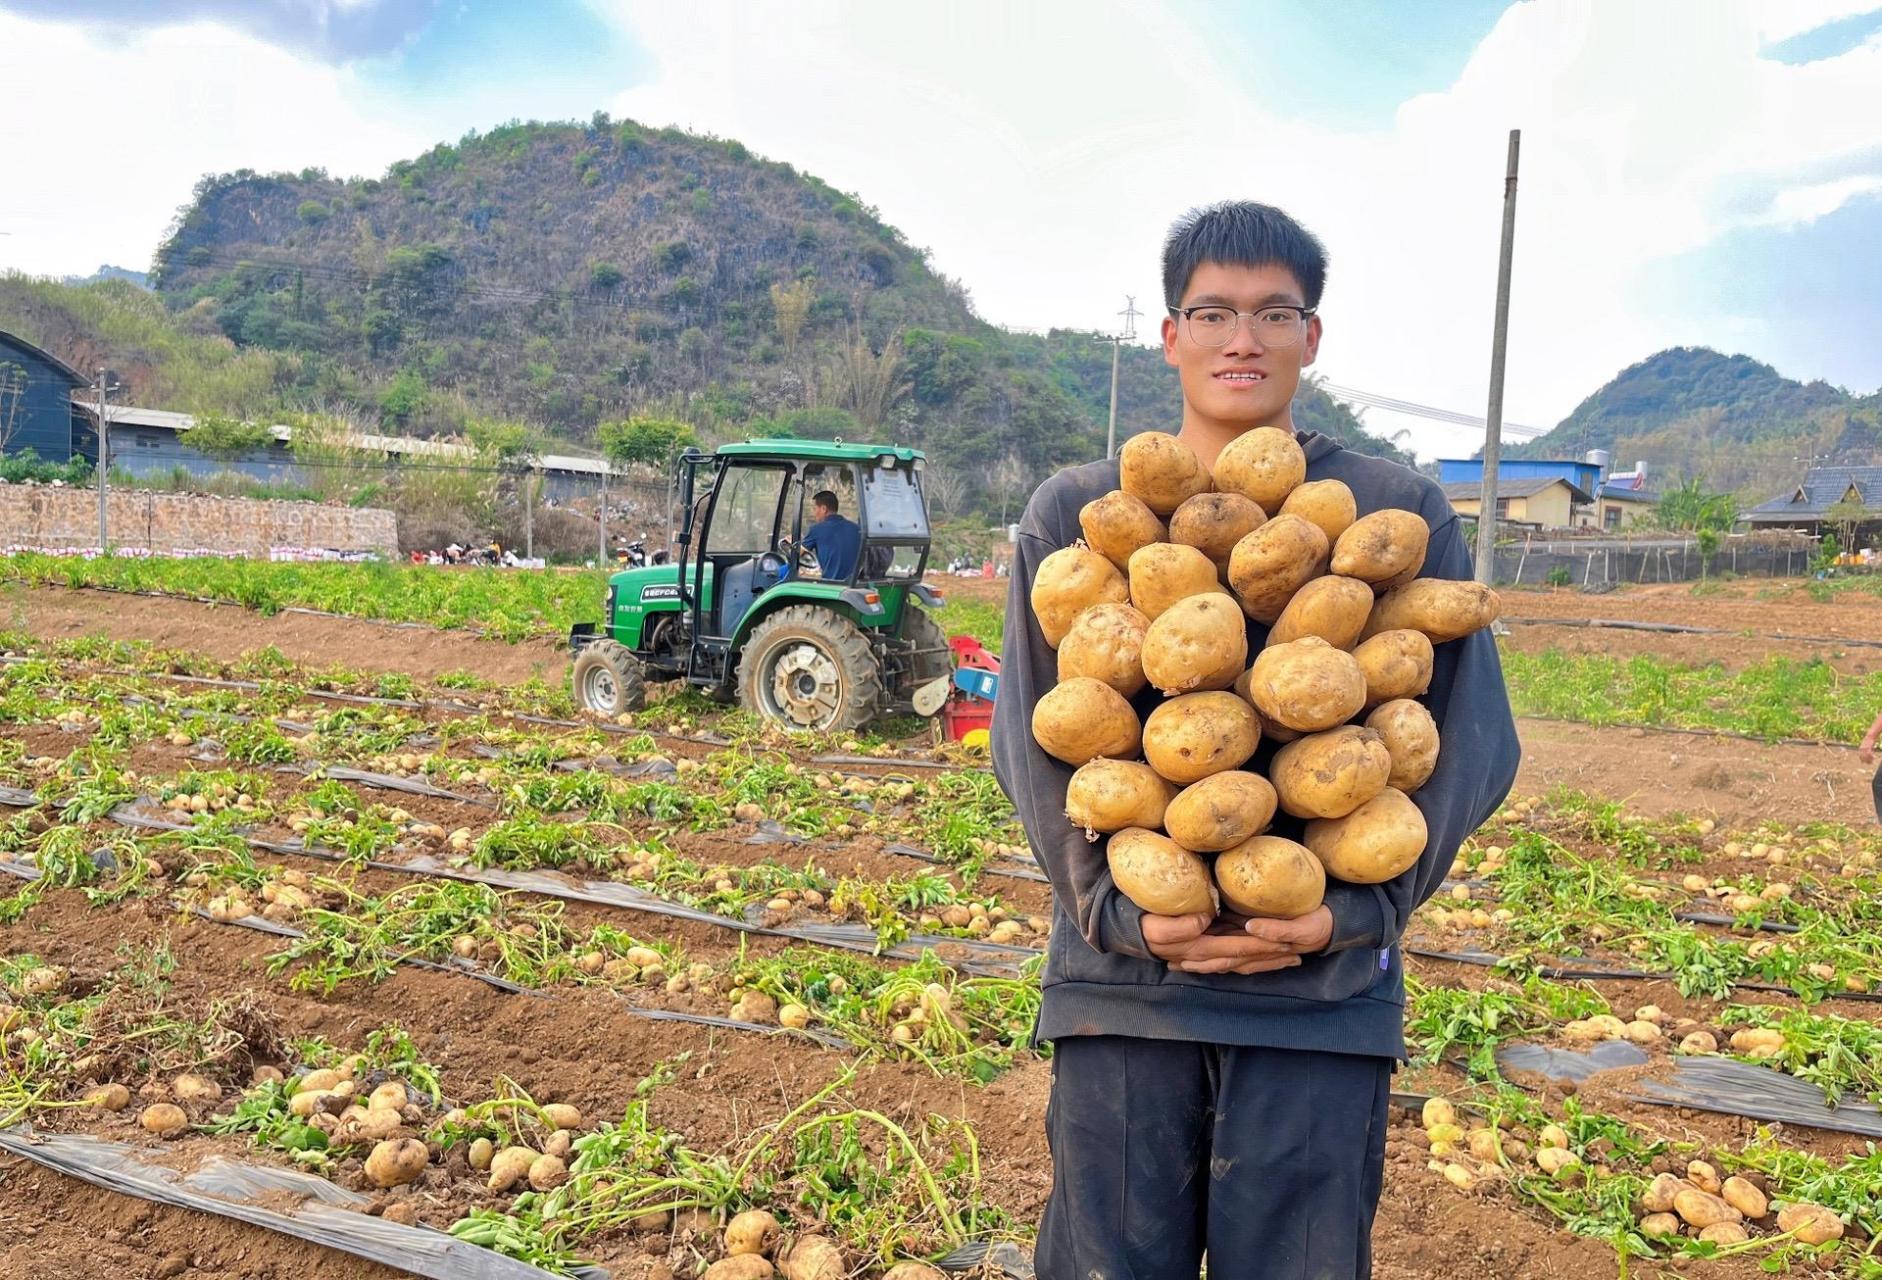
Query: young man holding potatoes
1221 1073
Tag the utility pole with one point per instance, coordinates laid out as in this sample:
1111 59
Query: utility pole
104 461
1499 343
529 509
1117 342
601 561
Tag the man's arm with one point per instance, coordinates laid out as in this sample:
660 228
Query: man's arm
1035 782
1869 740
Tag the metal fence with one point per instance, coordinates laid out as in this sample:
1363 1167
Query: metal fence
1608 561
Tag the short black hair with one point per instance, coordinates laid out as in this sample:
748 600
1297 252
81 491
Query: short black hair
825 498
1241 233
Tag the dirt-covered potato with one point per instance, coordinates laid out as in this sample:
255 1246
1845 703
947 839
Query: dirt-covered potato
1213 523
1161 471
1070 581
1332 607
743 1266
1386 548
397 1161
1080 719
1158 874
1272 877
1441 608
1197 643
1117 524
1188 738
813 1258
1373 843
1330 774
753 1231
1307 685
1263 465
1106 642
1109 795
1164 573
1411 736
1396 664
1327 503
1269 565
1220 812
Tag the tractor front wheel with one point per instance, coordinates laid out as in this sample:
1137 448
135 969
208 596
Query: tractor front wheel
810 668
608 679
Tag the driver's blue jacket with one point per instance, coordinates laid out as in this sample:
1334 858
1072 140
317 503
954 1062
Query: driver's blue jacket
837 540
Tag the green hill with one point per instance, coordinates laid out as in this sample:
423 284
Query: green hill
573 274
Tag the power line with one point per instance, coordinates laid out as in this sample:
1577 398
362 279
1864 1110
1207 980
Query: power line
1454 417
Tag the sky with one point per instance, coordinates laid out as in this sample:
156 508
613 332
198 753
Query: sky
1693 172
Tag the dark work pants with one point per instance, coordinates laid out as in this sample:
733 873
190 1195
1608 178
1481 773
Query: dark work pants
1875 789
1271 1160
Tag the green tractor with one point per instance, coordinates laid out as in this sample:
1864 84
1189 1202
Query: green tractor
746 613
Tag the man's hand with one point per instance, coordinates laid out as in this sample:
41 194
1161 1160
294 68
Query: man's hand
1200 943
1866 752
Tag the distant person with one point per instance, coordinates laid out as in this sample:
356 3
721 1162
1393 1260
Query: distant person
834 538
1867 756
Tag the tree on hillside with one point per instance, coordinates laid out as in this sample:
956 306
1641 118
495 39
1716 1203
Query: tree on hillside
790 308
1008 480
944 487
870 382
226 439
648 442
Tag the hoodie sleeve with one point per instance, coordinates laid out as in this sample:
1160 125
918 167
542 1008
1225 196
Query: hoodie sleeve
1477 758
1035 782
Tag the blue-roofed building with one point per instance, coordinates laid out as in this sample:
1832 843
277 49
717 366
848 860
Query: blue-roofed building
36 404
1588 496
1854 492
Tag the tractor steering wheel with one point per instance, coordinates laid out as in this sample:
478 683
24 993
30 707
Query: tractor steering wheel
800 556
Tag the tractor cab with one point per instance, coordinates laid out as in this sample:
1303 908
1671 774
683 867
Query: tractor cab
813 624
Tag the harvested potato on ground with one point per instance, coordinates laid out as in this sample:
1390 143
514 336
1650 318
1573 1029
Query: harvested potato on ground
1109 795
745 1266
1213 523
1386 548
1373 843
1106 642
1269 565
1272 877
1158 874
1161 575
1263 465
1117 524
914 1271
1219 812
1188 738
1161 471
1411 736
1702 1208
1307 685
1745 1197
1333 608
1082 719
1326 503
1656 1225
396 1162
814 1258
509 1167
1658 1197
1070 581
1439 607
165 1119
1811 1223
1396 664
753 1231
1330 774
1198 643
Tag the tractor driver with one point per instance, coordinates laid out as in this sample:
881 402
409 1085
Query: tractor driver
835 538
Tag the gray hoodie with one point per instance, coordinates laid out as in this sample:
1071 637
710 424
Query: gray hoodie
1100 979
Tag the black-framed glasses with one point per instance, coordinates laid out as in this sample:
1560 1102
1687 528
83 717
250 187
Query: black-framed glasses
1276 326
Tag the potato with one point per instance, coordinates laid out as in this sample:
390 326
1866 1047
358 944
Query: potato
1701 1208
390 1094
1269 876
165 1119
1109 795
1219 812
1082 719
110 1097
482 1152
1307 685
1373 843
753 1231
1106 642
746 1266
396 1162
1263 465
1396 664
1411 736
566 1115
1161 471
1722 1233
1198 643
814 1258
1656 1225
1442 609
1213 523
1117 524
190 1087
1745 1197
1269 565
1158 874
1327 503
914 1271
1333 608
1188 738
1330 774
547 1172
1165 573
1810 1223
509 1167
1386 548
1070 581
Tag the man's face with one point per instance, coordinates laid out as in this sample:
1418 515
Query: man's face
823 512
1242 382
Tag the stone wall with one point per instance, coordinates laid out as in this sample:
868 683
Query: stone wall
42 517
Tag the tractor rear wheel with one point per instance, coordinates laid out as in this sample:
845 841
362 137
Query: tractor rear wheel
608 679
810 668
933 658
